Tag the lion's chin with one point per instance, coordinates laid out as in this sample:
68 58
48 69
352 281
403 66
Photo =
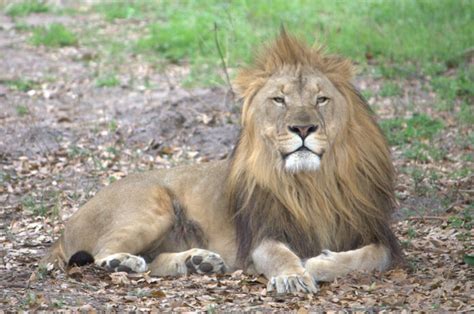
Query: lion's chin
302 161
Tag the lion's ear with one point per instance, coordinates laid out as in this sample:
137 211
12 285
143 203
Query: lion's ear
247 82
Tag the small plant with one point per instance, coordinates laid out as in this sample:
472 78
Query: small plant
78 152
26 7
411 233
22 110
109 80
118 10
367 94
47 205
390 89
37 208
466 113
22 85
464 220
54 35
42 271
451 88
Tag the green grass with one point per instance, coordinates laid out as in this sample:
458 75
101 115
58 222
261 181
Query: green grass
390 89
22 85
120 10
108 80
415 134
54 35
453 87
419 127
22 110
401 36
392 30
27 7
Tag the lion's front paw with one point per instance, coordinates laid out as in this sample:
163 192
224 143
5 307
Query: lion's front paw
292 283
124 262
205 262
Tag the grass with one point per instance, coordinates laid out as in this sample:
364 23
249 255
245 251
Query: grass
450 88
22 85
399 36
390 89
48 204
107 80
54 35
27 7
392 30
113 10
419 127
415 134
22 110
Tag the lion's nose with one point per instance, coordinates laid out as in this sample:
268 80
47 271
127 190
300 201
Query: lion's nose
303 130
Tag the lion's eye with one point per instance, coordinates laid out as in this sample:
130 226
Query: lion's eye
321 100
279 100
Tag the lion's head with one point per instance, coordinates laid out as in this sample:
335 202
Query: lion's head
295 114
311 167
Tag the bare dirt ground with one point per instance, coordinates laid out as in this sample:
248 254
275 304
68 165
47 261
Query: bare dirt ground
74 137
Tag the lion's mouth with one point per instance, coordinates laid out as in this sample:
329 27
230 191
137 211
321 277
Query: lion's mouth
303 149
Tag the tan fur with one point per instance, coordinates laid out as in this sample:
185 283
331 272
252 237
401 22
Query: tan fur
270 205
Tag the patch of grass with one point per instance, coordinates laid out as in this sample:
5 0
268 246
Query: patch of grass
466 113
464 220
419 127
26 7
54 35
22 85
415 134
48 204
22 110
113 126
411 233
423 152
390 89
78 152
367 94
393 32
22 27
394 71
37 208
107 80
457 86
119 10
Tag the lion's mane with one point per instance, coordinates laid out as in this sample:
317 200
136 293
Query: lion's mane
347 203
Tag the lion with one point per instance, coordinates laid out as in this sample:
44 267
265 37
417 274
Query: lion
306 196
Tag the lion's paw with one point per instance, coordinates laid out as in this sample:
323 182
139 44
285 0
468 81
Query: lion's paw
292 283
124 262
205 262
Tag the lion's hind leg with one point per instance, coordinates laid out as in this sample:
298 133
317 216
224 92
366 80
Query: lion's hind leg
137 225
193 261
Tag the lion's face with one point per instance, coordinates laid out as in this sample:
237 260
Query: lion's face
297 114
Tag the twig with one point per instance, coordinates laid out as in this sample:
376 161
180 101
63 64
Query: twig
427 218
224 65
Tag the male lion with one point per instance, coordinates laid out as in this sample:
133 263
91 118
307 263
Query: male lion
306 196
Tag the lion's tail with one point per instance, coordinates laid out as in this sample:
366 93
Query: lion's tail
81 258
57 256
